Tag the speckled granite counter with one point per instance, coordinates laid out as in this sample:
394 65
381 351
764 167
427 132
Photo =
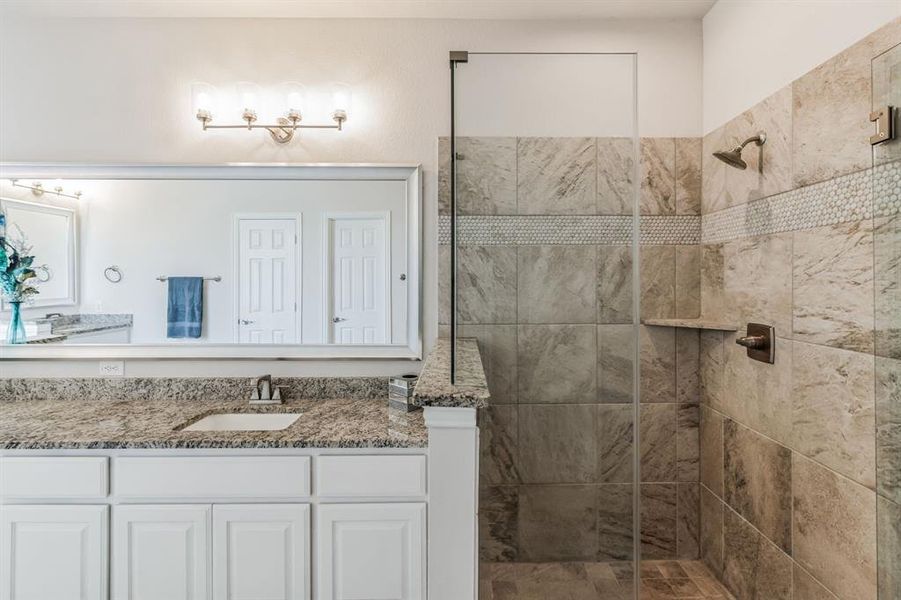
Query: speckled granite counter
434 387
66 326
105 424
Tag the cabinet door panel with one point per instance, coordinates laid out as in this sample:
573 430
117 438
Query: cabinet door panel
57 552
161 552
261 551
371 551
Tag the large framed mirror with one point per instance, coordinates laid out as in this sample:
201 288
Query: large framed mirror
230 261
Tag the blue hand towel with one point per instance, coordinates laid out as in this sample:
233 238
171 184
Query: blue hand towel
185 312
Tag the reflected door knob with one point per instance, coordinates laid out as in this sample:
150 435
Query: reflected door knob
338 319
245 322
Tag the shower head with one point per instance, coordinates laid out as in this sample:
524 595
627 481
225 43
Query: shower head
733 157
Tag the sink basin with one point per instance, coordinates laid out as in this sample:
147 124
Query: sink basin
244 422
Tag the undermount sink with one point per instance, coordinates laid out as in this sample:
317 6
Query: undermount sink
244 422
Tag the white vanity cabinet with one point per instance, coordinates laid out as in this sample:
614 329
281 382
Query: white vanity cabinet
214 525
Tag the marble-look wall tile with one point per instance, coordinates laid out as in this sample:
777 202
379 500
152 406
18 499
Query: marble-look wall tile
614 284
615 522
887 267
486 175
710 368
712 448
558 523
833 409
687 521
758 394
658 364
888 428
687 364
889 548
658 442
688 282
498 442
658 176
713 171
769 166
443 285
837 92
711 531
557 284
486 284
688 176
615 442
658 520
556 176
616 169
687 442
658 282
757 482
833 285
805 587
498 526
616 357
497 347
713 290
753 567
558 443
758 281
557 363
834 529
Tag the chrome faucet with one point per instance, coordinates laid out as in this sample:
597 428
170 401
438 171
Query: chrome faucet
263 392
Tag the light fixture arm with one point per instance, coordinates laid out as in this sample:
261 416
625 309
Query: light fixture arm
282 132
38 189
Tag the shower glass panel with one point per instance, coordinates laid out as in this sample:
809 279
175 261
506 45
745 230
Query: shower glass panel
542 199
886 182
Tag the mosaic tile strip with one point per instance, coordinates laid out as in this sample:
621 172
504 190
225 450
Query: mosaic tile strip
540 230
851 197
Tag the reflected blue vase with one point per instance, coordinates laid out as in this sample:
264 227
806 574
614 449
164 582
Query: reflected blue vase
16 332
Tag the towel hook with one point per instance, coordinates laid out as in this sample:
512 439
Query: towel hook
112 274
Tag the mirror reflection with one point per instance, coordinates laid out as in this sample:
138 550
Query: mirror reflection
206 262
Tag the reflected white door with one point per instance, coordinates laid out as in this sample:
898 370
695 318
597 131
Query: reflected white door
359 303
268 276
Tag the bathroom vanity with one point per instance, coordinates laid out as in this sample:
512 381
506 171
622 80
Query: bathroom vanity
105 498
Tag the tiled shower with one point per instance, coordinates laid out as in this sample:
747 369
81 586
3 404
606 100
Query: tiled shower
773 481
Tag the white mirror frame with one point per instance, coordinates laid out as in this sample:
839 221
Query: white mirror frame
71 296
410 174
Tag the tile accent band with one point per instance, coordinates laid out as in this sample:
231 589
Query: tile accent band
862 195
574 230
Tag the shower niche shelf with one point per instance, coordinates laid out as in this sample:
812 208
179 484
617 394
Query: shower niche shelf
691 324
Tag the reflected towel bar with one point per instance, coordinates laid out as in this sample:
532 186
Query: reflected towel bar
216 278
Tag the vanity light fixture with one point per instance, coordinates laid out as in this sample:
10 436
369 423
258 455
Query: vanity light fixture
294 101
37 188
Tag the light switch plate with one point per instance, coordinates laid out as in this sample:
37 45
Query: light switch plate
112 368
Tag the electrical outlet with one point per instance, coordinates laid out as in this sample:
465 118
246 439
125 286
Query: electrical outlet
112 368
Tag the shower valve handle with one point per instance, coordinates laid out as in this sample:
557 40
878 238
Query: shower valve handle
752 341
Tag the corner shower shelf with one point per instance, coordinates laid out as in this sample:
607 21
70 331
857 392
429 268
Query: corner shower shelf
690 324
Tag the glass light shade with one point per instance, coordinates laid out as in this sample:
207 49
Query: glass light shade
203 98
248 96
341 98
294 98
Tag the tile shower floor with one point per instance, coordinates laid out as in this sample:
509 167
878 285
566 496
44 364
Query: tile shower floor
661 580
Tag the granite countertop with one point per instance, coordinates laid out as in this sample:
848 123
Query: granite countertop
79 324
691 324
106 424
434 387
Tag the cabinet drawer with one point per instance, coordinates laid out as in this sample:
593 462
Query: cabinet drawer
53 477
371 476
212 477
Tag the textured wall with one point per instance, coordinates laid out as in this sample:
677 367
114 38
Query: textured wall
545 284
800 460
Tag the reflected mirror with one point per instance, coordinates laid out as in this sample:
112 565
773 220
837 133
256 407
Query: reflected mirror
304 255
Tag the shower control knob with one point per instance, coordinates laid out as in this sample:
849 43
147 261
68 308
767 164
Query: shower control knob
751 341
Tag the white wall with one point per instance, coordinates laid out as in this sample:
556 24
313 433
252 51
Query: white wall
752 48
110 90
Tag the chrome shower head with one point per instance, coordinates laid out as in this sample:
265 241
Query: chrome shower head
733 157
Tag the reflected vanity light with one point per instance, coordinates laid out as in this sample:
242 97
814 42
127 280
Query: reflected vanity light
293 100
37 188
